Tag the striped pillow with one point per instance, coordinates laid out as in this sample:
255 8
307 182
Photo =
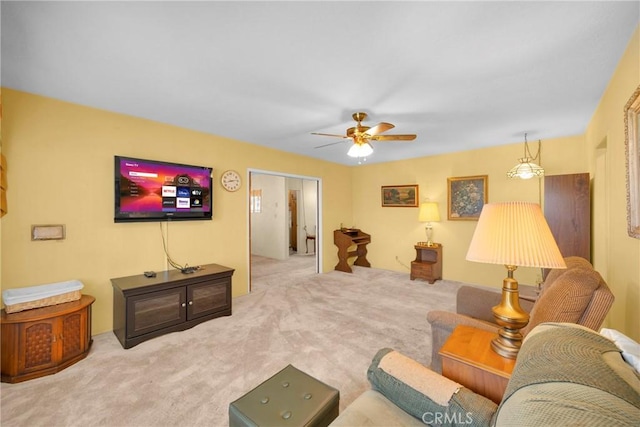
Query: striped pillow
566 300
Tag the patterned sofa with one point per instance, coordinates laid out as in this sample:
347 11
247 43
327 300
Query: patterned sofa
565 375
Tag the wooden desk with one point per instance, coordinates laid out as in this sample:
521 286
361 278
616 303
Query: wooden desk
345 238
468 359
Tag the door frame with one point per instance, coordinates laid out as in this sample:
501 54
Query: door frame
318 250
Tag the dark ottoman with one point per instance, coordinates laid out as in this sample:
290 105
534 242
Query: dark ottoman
289 398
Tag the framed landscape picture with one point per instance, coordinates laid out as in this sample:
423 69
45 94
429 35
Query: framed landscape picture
405 196
466 196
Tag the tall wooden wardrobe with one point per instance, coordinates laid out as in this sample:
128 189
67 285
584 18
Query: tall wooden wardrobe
567 208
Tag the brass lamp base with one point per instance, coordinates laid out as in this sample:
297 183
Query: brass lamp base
511 317
507 343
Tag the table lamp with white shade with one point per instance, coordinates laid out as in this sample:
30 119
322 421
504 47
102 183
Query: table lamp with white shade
429 213
514 234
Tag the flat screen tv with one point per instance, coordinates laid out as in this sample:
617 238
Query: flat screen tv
150 190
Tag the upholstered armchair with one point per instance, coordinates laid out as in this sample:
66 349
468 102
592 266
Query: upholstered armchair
577 294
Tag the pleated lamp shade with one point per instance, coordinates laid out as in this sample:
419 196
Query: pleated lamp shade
514 233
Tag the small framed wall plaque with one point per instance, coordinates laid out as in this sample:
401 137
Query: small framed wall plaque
48 232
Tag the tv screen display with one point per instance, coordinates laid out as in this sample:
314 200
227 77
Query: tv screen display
149 190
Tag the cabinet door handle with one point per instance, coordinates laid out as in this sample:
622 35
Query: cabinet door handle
53 338
190 302
184 305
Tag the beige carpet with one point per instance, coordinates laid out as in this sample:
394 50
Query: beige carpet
266 271
328 325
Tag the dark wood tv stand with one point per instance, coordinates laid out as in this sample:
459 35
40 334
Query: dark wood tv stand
147 307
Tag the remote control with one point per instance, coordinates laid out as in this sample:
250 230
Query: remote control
150 274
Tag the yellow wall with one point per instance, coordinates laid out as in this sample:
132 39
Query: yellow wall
620 257
60 159
616 255
395 230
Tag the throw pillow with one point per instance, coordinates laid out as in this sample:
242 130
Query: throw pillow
629 348
426 395
566 300
571 262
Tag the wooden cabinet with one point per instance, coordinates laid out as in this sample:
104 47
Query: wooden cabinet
467 358
45 340
428 263
144 308
344 239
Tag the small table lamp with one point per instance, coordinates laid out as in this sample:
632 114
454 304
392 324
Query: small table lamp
429 213
513 234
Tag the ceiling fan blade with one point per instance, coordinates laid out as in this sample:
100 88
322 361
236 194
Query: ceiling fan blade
331 143
379 128
393 137
330 134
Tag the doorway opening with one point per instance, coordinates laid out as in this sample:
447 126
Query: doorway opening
293 222
600 204
284 228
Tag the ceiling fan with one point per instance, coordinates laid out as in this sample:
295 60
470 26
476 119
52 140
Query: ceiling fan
361 136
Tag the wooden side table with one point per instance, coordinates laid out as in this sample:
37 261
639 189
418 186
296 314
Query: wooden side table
46 340
428 263
468 359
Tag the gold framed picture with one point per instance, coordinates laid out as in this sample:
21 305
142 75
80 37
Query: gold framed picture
632 152
466 196
403 196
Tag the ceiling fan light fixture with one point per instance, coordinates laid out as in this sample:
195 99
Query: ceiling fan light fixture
363 149
360 135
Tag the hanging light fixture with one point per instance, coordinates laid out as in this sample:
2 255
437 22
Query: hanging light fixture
526 169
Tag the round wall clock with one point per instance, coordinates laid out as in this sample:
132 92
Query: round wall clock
230 180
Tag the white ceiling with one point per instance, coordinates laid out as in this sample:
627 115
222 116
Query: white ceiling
461 75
